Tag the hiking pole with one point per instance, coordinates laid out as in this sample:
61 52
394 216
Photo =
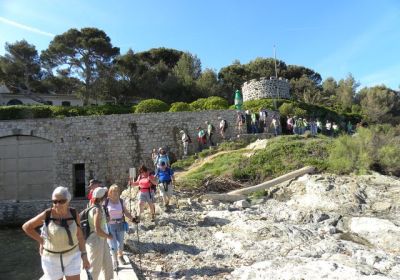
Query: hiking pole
140 254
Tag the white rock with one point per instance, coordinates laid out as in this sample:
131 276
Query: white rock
241 204
379 232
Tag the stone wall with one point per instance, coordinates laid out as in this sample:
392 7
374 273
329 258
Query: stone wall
109 145
266 88
16 213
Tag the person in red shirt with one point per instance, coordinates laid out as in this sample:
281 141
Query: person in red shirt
145 181
93 184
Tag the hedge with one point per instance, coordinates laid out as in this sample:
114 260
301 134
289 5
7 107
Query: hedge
180 107
151 105
46 111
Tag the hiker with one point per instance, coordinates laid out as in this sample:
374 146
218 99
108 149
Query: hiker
335 129
185 141
289 125
154 156
210 133
349 128
61 242
313 127
254 124
201 138
319 126
162 157
146 195
96 243
263 114
275 125
328 127
93 184
240 121
223 126
166 180
116 224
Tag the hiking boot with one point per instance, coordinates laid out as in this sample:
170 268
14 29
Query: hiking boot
121 260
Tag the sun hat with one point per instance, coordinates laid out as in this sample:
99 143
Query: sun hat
99 192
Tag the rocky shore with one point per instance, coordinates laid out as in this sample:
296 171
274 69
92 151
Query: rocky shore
315 227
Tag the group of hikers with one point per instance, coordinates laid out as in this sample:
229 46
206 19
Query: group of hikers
297 125
204 135
94 238
259 122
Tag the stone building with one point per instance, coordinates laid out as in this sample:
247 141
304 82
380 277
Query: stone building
266 88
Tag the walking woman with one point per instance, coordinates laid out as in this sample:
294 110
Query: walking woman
96 244
117 212
146 194
61 242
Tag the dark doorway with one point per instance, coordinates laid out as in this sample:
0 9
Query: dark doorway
79 180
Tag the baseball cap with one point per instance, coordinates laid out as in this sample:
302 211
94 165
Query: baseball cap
99 192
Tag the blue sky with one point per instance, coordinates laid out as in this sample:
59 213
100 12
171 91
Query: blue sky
334 38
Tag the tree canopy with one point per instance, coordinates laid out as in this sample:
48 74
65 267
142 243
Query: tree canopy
85 62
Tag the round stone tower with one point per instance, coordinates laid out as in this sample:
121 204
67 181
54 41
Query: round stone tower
266 88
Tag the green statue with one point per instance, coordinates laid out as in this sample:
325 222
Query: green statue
238 100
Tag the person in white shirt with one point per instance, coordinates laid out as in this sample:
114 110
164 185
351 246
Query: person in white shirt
185 141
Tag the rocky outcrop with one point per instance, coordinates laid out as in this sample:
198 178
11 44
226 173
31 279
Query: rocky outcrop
315 227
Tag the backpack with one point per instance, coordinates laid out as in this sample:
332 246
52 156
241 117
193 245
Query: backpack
189 139
84 217
63 224
212 128
48 213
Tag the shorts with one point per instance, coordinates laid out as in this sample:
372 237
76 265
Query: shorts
51 265
168 190
148 197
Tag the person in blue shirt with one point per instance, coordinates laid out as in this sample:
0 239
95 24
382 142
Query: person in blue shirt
162 157
166 182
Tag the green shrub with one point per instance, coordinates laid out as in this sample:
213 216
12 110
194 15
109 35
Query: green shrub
215 103
389 159
180 107
198 105
14 112
376 148
41 111
300 112
287 109
151 105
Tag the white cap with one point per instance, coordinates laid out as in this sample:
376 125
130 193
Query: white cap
99 192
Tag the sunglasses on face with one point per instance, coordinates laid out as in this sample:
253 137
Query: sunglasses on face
61 201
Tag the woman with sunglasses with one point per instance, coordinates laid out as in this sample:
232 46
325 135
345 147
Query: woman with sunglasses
61 242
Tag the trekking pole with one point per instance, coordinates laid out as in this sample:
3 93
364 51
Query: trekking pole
140 254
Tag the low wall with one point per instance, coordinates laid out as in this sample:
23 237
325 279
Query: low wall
14 213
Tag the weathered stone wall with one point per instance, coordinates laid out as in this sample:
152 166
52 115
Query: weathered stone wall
109 145
266 88
16 213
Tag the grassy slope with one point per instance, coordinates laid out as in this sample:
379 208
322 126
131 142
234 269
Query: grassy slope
282 155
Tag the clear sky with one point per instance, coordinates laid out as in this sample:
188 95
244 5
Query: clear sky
334 38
